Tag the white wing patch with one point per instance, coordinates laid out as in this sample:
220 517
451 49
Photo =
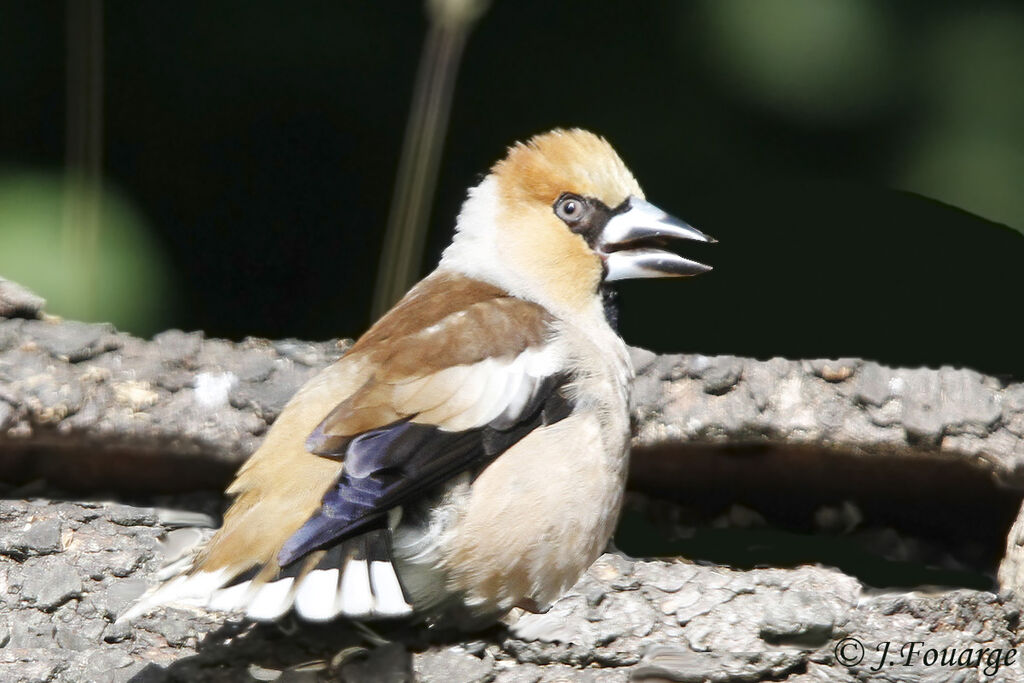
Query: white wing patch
447 414
431 391
476 395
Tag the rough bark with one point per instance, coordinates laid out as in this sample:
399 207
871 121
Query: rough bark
84 408
70 567
77 394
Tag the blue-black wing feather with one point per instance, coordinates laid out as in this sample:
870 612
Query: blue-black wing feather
389 466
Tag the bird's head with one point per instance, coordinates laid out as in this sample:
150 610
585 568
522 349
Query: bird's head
561 215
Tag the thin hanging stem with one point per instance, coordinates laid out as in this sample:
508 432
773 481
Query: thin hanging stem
451 21
84 142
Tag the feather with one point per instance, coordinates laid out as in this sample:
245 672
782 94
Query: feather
455 348
405 460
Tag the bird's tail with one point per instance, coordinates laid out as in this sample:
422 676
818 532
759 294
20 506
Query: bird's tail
354 579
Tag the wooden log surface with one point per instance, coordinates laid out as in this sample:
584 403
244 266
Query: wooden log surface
113 450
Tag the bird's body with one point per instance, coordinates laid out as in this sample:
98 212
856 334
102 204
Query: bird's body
469 453
536 517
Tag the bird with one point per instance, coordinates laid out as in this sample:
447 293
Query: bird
468 454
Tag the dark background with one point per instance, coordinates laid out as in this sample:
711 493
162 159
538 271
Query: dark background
861 163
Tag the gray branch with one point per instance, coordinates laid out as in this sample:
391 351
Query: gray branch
84 408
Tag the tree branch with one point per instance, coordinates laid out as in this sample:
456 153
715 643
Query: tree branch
86 408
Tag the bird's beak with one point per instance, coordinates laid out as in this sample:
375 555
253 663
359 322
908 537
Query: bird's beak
632 239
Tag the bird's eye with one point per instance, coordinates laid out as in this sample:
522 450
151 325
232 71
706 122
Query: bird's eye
570 208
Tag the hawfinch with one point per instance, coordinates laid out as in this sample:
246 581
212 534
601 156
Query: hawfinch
468 454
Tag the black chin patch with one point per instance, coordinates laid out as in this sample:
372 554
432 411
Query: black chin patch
610 302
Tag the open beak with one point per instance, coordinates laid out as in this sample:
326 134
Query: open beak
632 239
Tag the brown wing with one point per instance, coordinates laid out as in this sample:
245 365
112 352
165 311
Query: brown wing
433 347
418 370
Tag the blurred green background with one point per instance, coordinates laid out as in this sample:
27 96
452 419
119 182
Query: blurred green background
862 163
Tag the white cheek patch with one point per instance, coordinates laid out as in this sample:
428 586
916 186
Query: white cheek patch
474 251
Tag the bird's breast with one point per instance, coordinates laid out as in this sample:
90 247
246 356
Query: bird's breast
525 527
536 517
